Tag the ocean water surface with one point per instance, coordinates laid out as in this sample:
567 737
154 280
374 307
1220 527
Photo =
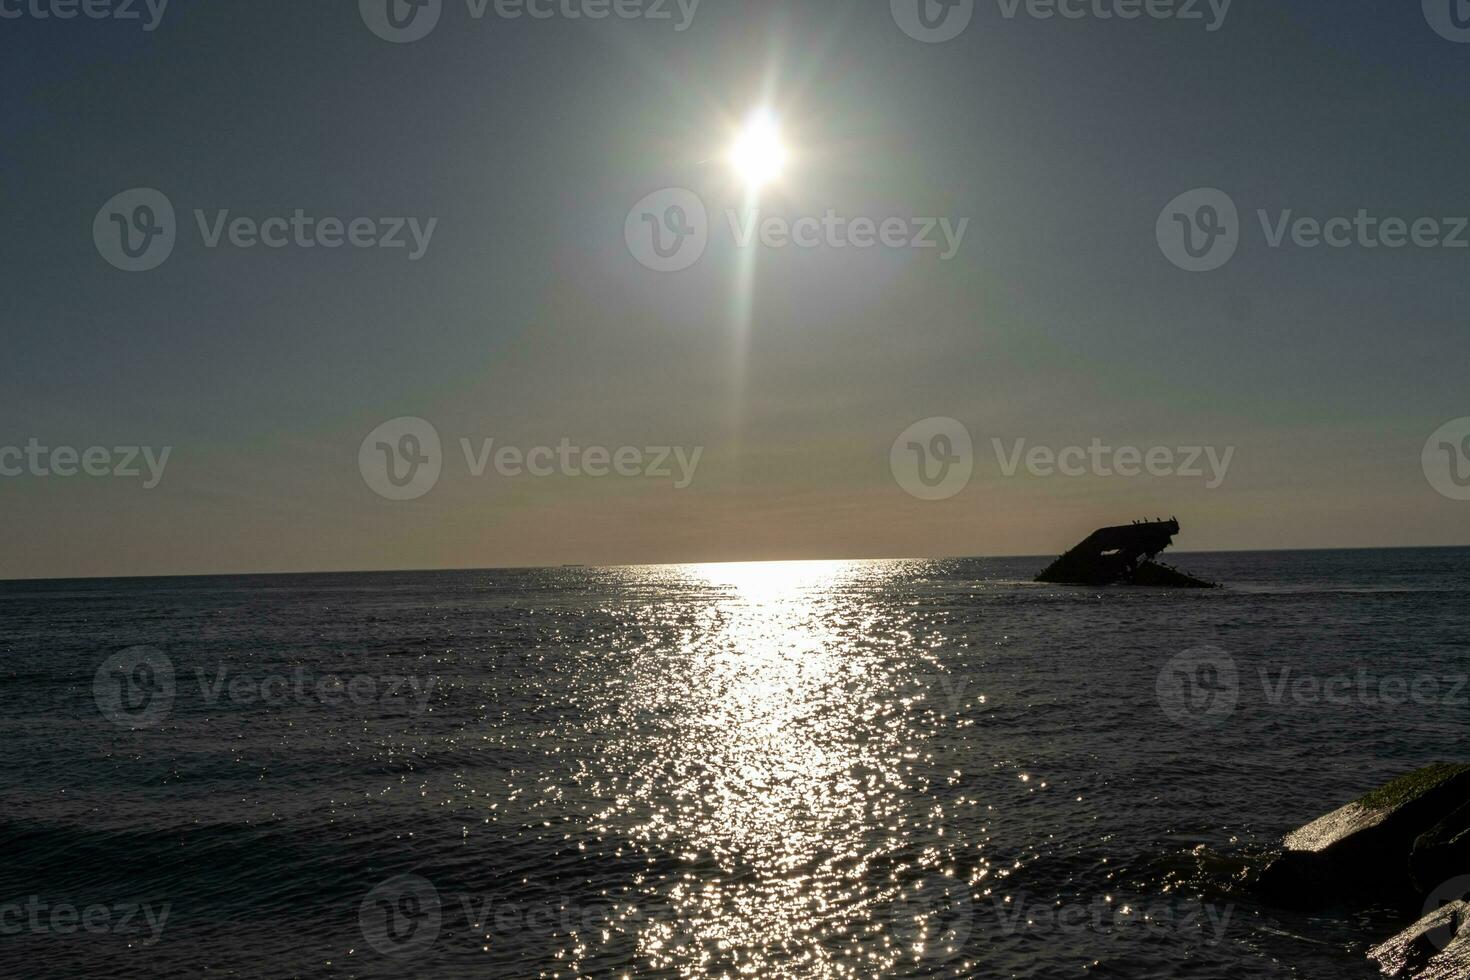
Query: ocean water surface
824 769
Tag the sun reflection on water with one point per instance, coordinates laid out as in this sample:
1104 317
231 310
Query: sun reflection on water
779 755
768 581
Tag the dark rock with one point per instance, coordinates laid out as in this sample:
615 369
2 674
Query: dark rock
1452 964
1365 846
1437 947
1301 879
1442 851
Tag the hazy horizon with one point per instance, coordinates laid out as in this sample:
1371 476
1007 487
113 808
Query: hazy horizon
825 559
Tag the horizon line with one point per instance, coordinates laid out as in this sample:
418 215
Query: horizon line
675 564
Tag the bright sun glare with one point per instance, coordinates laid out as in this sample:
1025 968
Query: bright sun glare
758 156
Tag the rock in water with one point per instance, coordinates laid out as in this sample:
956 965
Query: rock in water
1366 846
1437 947
1446 845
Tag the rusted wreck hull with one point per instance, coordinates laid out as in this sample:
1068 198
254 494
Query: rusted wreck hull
1122 555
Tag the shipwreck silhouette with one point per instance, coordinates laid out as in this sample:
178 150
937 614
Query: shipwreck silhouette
1122 555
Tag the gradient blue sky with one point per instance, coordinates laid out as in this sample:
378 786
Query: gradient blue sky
528 320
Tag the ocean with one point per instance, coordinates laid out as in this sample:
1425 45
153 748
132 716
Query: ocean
822 769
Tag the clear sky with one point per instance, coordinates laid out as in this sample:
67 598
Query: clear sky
530 319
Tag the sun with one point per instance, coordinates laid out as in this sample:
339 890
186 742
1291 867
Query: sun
758 156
